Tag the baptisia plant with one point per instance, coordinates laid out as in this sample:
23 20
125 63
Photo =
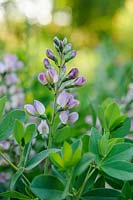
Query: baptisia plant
59 83
91 166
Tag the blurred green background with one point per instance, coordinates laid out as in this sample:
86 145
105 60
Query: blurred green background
101 31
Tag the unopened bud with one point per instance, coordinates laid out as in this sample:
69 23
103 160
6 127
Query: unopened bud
46 63
56 41
70 55
67 48
51 55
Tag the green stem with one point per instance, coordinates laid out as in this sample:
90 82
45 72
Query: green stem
85 182
13 166
66 191
50 138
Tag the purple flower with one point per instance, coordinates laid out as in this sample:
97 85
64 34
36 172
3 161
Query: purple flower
68 118
36 109
46 63
73 73
51 76
42 78
51 55
66 100
43 127
79 81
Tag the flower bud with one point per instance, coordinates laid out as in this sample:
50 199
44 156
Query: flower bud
46 63
65 41
51 76
56 41
64 68
79 81
67 48
51 55
61 46
70 55
42 78
73 73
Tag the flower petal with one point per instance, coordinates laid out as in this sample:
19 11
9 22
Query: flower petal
73 117
64 117
39 107
30 109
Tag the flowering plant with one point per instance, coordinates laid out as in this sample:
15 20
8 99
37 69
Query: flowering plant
92 166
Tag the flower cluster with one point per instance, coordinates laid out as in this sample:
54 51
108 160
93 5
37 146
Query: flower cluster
60 82
9 80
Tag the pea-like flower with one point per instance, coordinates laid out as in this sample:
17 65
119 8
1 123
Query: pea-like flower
36 109
68 118
66 100
50 76
43 127
79 81
42 78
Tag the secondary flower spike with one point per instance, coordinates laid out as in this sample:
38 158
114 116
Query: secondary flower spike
36 109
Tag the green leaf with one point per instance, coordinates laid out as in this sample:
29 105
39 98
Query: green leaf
111 114
15 195
120 151
19 131
7 124
103 144
67 153
106 103
30 130
101 117
39 157
15 177
118 122
126 191
2 105
102 194
84 163
122 130
57 160
93 143
121 170
76 156
114 141
47 187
